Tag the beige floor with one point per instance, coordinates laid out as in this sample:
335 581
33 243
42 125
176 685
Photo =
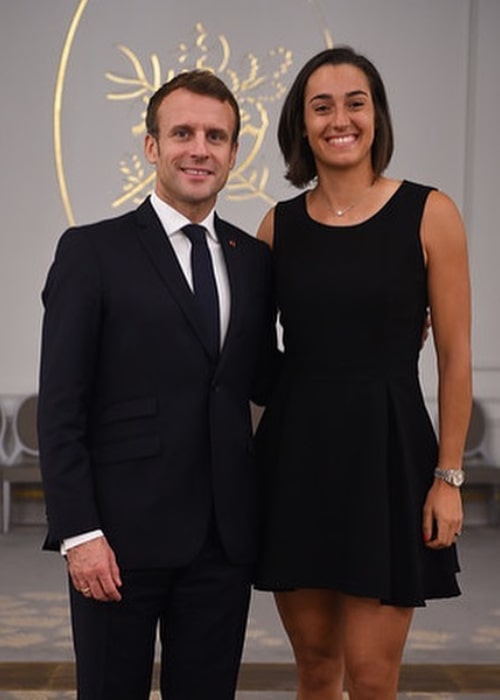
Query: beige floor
34 612
34 615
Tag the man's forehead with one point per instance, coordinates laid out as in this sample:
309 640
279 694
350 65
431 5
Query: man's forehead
196 112
191 105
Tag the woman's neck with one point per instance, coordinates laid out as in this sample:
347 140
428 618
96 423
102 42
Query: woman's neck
344 191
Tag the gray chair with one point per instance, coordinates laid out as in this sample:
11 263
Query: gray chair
21 464
3 433
475 443
4 451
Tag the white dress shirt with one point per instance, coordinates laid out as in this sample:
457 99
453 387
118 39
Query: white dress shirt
172 222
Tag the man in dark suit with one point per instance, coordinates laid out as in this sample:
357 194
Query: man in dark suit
144 423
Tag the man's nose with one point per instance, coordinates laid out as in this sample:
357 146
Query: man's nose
200 145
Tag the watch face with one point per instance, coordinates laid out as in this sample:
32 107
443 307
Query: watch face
457 478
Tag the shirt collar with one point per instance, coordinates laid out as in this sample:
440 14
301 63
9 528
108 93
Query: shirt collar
172 220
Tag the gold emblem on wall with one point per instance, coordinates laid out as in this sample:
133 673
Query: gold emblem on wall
260 83
258 80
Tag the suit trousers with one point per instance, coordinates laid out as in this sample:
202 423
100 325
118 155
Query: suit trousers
199 611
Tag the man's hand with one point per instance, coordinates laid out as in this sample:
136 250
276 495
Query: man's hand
94 571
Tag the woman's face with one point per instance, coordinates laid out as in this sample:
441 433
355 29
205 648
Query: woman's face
339 117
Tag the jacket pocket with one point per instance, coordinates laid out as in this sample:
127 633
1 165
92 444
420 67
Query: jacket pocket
128 449
126 410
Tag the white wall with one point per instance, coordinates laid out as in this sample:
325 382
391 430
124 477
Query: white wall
439 58
481 209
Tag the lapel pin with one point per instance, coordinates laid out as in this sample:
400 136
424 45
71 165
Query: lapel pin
232 243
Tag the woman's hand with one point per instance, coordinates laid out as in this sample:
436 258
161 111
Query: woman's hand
443 515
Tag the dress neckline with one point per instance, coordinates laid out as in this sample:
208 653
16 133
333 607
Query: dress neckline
347 227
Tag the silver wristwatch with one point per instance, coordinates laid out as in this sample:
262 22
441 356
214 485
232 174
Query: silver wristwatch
454 477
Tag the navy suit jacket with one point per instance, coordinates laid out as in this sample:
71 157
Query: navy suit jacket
142 433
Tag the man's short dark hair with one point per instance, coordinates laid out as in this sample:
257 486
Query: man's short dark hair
201 82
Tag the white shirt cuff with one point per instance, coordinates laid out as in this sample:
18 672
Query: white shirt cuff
71 542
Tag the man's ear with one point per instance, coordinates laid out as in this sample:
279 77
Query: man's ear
234 153
151 149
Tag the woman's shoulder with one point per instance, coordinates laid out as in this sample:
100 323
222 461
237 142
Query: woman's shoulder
291 202
436 201
283 209
442 223
420 194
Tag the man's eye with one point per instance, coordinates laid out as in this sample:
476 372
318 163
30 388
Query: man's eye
217 136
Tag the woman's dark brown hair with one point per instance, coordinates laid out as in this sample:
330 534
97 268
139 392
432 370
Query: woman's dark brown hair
301 168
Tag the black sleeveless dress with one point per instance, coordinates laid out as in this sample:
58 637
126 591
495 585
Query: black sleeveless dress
346 447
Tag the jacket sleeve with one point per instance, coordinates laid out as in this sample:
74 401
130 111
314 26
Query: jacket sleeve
72 299
270 357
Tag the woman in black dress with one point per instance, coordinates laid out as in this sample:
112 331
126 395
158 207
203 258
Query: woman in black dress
361 507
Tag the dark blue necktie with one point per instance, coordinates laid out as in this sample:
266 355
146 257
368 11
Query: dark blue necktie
204 286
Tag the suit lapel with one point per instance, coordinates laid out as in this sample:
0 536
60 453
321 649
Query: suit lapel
162 256
235 272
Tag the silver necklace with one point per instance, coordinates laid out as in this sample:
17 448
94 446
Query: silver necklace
343 212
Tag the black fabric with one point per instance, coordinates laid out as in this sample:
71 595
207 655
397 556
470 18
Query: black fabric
346 446
204 284
201 610
146 435
142 431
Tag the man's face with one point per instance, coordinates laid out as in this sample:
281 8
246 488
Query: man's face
193 152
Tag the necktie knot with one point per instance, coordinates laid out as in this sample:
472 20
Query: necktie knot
195 233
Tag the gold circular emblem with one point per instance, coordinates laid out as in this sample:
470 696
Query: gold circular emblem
111 65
